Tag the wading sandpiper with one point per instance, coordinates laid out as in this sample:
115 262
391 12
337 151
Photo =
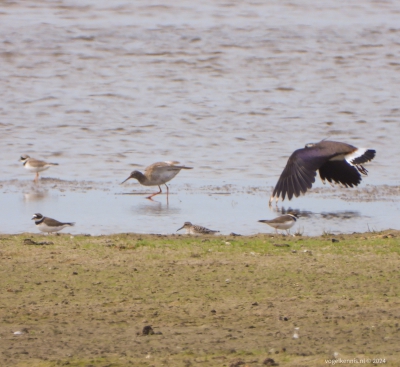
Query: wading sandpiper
194 229
157 174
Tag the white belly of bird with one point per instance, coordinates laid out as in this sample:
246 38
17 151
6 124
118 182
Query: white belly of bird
284 225
192 230
168 176
45 228
36 169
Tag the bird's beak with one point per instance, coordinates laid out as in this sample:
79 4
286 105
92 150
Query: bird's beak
179 229
126 180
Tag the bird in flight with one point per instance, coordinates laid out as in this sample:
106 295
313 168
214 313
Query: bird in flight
336 162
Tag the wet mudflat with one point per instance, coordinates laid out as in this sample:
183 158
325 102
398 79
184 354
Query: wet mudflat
231 89
154 300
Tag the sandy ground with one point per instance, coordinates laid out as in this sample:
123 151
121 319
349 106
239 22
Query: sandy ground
147 300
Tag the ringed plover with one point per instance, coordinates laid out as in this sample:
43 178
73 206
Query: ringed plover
35 165
49 225
285 221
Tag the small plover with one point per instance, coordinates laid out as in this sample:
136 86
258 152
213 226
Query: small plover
49 225
285 221
35 165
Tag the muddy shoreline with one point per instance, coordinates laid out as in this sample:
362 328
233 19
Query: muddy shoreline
218 301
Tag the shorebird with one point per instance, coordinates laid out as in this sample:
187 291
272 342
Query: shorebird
157 174
35 165
283 222
335 161
194 229
49 225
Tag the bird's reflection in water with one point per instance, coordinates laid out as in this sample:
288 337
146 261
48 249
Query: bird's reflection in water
35 195
299 212
155 208
342 214
346 214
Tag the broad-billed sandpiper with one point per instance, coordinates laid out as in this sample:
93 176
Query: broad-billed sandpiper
194 229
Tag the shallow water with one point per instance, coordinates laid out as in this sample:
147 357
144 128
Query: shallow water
230 88
231 208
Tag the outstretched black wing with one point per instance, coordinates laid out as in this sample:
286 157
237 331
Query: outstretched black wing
340 172
336 162
299 173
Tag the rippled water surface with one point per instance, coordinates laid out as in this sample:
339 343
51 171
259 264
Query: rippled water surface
230 88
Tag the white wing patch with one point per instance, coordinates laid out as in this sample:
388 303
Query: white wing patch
172 163
356 154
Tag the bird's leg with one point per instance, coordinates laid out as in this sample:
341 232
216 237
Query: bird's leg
271 199
167 193
149 197
36 177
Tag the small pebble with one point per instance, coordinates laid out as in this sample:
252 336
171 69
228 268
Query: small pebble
21 332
